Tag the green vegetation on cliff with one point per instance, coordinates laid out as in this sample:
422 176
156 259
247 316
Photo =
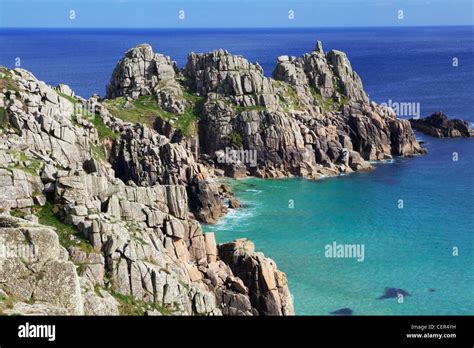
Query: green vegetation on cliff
68 234
142 110
68 97
104 131
3 118
7 302
6 80
25 163
145 109
235 139
328 104
129 305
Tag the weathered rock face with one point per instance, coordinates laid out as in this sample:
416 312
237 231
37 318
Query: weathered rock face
313 120
221 72
205 201
37 110
35 267
438 125
243 294
143 72
147 158
135 239
330 74
267 286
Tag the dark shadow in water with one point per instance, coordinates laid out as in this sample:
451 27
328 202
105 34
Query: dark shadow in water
393 293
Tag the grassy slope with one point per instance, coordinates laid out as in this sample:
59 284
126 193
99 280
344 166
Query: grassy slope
132 306
145 109
68 234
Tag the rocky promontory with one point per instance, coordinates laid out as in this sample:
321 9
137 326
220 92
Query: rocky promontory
312 119
102 199
439 126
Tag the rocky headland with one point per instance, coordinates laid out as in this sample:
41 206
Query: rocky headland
439 126
102 199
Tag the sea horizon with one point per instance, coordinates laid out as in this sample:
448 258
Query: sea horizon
240 28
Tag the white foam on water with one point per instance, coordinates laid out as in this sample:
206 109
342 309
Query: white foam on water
387 161
253 191
420 138
234 218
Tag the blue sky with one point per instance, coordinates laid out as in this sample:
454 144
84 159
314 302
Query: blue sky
233 13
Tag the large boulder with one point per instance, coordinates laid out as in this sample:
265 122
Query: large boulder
267 286
34 268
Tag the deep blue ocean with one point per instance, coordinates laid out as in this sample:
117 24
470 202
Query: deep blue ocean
410 247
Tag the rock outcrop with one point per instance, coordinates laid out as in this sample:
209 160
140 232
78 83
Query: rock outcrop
438 125
144 155
267 285
330 75
143 72
222 73
313 119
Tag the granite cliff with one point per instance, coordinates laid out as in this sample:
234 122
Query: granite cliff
105 196
77 239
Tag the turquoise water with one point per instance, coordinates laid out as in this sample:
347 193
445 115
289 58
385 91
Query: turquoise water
409 248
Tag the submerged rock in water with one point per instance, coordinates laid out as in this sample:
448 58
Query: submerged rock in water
393 293
343 311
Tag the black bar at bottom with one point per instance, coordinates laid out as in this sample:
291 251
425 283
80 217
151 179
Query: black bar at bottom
292 331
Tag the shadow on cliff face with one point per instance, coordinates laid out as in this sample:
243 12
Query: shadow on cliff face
8 222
